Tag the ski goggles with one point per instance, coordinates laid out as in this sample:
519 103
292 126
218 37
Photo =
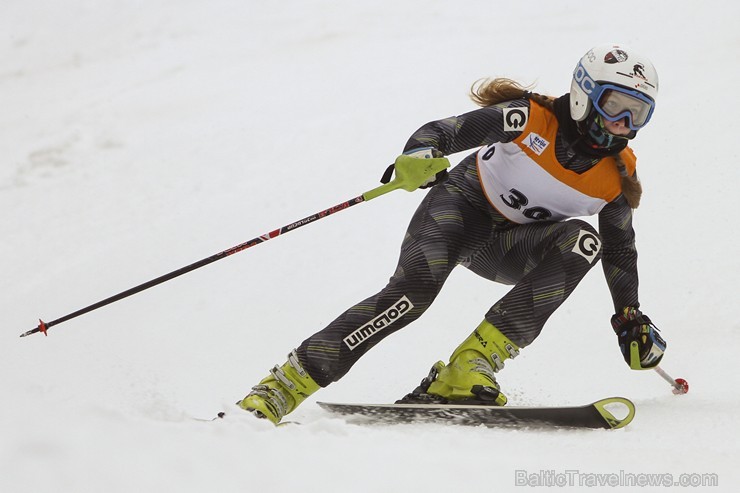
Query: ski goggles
615 102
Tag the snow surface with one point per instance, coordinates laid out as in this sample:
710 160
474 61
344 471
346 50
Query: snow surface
137 137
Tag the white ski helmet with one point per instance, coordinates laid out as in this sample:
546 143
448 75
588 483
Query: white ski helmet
617 82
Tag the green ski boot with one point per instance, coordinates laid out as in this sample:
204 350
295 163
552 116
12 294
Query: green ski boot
281 392
469 376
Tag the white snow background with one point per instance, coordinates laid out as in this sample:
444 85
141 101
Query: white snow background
138 137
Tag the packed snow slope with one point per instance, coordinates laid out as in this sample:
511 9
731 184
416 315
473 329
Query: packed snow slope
138 137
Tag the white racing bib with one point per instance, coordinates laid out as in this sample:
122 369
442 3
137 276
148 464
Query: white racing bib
524 192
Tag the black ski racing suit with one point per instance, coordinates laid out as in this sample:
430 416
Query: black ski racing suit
456 225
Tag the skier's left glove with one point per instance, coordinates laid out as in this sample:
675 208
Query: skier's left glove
422 153
639 340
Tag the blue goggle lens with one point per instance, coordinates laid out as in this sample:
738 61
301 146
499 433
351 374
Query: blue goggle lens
615 102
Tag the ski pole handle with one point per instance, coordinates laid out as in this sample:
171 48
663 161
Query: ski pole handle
680 386
411 173
409 176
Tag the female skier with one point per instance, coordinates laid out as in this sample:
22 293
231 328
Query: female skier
504 213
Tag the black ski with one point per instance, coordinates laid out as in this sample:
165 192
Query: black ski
594 415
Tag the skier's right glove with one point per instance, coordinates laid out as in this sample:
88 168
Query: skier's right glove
423 153
639 340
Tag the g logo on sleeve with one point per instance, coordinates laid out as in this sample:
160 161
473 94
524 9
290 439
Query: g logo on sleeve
515 119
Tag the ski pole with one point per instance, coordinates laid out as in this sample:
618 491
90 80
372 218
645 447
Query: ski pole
680 386
409 176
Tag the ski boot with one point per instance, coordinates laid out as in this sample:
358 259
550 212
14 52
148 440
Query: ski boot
469 376
280 393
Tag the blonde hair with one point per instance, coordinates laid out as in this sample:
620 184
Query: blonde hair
631 186
488 92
